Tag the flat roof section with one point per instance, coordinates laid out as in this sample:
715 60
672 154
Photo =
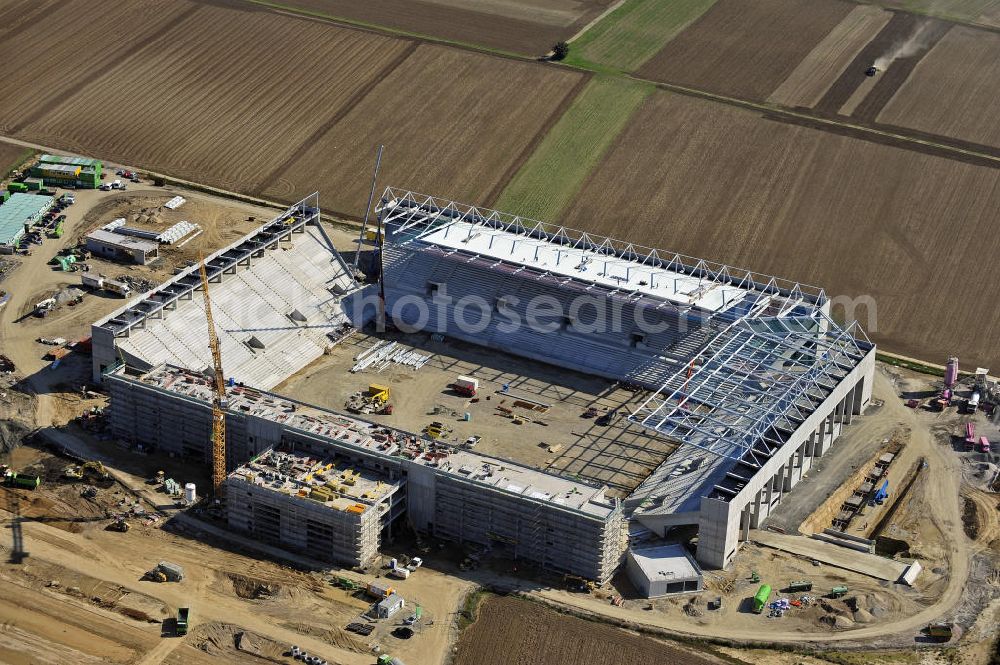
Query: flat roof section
126 242
576 255
350 431
19 209
666 562
328 480
66 159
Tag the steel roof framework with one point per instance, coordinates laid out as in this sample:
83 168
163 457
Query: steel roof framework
769 366
756 378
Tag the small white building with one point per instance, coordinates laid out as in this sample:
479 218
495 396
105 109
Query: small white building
667 569
121 247
389 606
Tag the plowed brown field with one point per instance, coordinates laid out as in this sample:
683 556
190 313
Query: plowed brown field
830 58
858 218
510 631
221 97
745 48
451 121
53 50
521 26
954 90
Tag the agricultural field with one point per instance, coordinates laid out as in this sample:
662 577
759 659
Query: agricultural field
565 157
260 110
858 218
896 50
953 91
742 49
509 631
451 121
633 33
11 155
983 12
47 62
528 27
814 75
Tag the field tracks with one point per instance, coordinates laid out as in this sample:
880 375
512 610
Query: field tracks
275 175
810 80
98 69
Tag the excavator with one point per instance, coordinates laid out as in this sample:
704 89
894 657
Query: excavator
92 468
119 525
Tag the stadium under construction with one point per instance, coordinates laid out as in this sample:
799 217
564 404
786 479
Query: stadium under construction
743 380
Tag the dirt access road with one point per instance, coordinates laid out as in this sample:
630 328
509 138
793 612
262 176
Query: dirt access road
945 504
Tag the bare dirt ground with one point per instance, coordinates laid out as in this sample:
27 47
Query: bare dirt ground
961 73
875 614
88 570
899 28
523 26
859 218
742 49
511 631
266 126
560 440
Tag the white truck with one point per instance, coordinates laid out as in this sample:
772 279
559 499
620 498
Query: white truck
104 284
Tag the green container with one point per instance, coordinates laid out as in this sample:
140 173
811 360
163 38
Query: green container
17 187
4 195
761 597
23 481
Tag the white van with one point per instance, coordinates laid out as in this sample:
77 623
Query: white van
117 184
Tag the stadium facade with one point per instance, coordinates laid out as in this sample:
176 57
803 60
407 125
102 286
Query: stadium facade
747 373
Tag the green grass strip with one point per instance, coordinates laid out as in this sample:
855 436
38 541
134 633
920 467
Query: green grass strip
632 34
558 167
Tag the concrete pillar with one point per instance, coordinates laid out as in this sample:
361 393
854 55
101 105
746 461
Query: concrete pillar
788 472
755 513
859 395
745 523
849 405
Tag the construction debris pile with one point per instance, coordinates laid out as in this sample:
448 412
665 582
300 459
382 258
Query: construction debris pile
139 284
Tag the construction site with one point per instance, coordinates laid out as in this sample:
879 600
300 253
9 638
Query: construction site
746 441
746 380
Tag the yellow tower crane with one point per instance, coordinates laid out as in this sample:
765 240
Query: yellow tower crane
219 400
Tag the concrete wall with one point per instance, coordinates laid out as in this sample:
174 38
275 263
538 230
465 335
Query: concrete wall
723 524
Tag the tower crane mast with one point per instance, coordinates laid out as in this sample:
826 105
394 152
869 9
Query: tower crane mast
219 399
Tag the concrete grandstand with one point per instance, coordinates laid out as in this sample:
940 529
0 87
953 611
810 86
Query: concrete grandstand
745 374
279 301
